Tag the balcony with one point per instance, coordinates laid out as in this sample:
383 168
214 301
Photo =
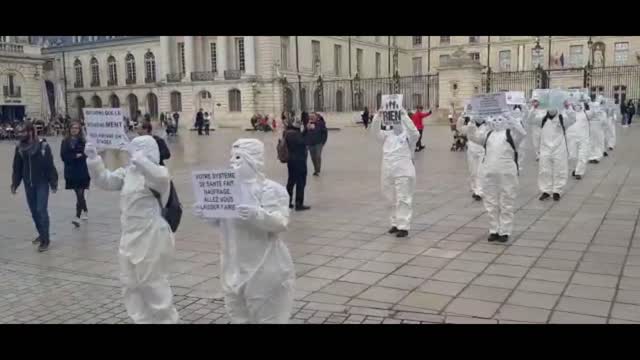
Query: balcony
130 81
11 48
177 77
149 80
232 74
78 85
112 82
203 76
95 83
12 93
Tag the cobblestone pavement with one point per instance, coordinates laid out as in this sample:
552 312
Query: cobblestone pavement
577 260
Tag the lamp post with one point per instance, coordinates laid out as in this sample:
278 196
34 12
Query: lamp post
537 50
590 46
549 57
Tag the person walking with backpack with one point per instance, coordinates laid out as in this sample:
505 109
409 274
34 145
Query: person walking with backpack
553 170
317 135
33 165
294 139
76 174
147 244
147 129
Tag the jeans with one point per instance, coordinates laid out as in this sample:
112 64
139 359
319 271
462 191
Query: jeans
38 200
81 203
316 156
297 179
419 143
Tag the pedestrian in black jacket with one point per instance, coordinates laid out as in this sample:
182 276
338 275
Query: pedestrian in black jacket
147 129
33 164
317 135
76 174
199 121
297 164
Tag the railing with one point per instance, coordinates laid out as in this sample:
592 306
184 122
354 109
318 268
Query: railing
149 80
112 83
232 74
95 83
16 93
78 84
203 76
130 81
11 48
176 77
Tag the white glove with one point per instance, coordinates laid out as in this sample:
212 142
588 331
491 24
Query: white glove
247 212
136 156
91 151
196 209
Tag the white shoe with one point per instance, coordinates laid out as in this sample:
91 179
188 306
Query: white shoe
84 216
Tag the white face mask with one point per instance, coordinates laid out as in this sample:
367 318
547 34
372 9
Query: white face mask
553 112
244 171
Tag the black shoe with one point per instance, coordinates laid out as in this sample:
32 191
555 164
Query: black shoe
418 149
592 161
75 223
573 173
43 247
556 197
422 147
290 206
477 197
402 233
503 238
605 153
596 161
36 240
302 208
544 196
316 174
393 230
610 148
578 177
493 237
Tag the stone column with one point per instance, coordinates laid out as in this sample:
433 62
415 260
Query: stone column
459 79
249 55
188 57
221 48
165 62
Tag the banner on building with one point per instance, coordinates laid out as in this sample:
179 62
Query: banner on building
217 192
489 104
516 98
391 109
105 128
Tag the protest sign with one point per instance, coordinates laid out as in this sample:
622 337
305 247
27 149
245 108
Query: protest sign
557 98
579 95
391 109
515 98
217 192
489 104
105 128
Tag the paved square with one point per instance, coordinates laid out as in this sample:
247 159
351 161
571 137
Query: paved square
573 261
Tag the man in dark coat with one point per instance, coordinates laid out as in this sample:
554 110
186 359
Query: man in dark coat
297 164
317 136
199 121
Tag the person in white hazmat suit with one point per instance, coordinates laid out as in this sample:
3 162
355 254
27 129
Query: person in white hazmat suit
147 243
525 144
475 152
398 173
597 123
578 141
610 128
499 171
258 275
553 168
533 118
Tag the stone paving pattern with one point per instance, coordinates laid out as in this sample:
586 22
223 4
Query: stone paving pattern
573 261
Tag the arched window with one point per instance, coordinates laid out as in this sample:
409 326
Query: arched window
339 101
114 101
149 67
152 105
359 101
130 62
303 99
288 99
112 68
176 101
318 100
378 100
77 68
95 72
96 102
235 100
79 105
132 99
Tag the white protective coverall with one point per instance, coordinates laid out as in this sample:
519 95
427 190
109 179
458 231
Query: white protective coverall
553 168
578 140
610 128
597 124
398 173
498 170
525 144
258 275
147 243
475 152
533 118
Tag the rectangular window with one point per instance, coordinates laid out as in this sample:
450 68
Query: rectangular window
444 59
504 60
377 39
475 56
621 53
394 40
359 56
181 62
575 56
474 39
315 55
417 65
445 40
417 41
504 38
284 52
378 64
240 54
537 58
214 58
337 59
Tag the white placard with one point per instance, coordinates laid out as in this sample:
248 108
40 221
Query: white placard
105 128
217 192
391 109
489 104
557 97
516 98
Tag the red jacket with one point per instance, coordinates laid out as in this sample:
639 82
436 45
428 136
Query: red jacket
417 119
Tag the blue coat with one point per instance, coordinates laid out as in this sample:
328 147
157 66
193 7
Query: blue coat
76 174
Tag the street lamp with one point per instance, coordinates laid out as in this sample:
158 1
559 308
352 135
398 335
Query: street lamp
537 50
590 46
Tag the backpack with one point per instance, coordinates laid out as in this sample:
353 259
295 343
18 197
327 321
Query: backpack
172 213
282 149
513 146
